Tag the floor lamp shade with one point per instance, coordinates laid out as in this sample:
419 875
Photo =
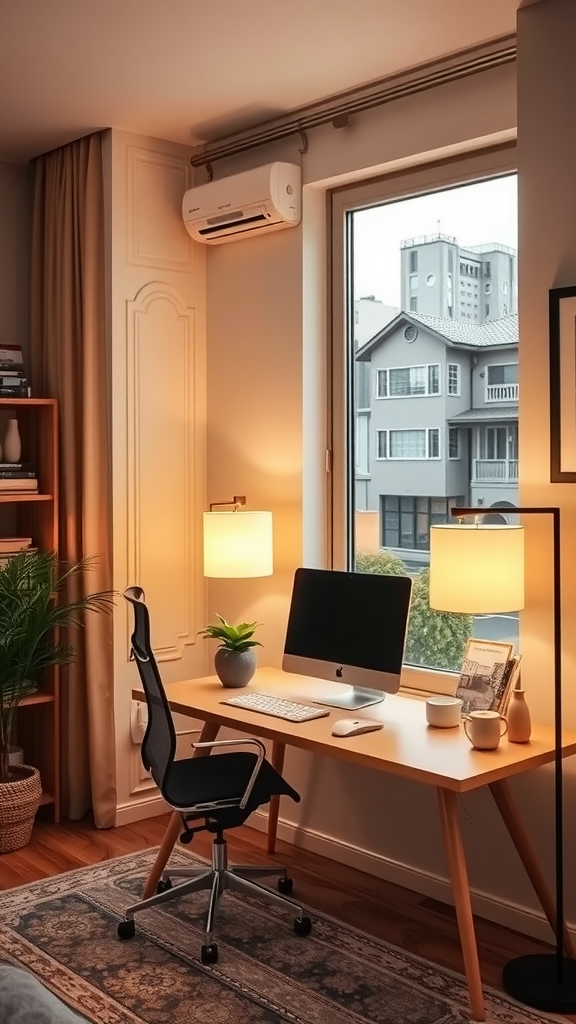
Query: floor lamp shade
237 544
476 569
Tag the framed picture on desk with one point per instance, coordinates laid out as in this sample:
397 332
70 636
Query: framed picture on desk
484 677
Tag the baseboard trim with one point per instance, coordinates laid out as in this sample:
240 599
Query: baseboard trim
522 919
136 810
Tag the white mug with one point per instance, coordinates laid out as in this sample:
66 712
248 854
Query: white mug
484 729
443 712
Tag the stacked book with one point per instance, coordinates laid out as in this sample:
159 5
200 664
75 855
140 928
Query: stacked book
18 478
10 546
13 380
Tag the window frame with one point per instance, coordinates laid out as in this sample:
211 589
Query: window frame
427 431
464 168
457 392
387 370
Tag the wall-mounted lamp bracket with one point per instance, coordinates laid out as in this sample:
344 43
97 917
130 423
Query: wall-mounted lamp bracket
238 501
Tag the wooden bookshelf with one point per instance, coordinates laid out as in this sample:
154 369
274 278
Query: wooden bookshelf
36 516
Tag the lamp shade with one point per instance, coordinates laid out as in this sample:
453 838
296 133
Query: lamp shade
476 569
238 544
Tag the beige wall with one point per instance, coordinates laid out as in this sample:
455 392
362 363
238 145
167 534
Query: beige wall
156 309
266 435
16 193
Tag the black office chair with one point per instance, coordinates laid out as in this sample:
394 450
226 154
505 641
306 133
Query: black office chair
222 790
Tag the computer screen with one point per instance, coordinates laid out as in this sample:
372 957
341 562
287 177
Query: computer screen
349 627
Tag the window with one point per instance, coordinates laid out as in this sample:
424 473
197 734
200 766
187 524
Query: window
487 309
487 288
408 381
423 443
504 373
381 444
504 288
413 304
413 282
419 463
453 379
406 519
487 270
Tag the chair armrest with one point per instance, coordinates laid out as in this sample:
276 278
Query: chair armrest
240 743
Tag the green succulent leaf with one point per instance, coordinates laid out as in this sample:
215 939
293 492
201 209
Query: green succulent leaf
233 638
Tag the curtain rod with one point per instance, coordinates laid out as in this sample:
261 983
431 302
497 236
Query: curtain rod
338 108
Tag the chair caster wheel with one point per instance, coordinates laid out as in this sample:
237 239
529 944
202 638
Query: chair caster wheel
126 929
302 925
186 837
209 954
285 885
163 885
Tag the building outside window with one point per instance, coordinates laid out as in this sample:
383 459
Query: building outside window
432 446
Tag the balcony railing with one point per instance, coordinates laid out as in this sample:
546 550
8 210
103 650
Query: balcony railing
488 470
501 393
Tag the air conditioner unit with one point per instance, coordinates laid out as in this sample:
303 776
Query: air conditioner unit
264 199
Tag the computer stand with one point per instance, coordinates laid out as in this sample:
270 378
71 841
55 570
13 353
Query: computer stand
353 699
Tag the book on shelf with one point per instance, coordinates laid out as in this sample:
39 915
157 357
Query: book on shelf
18 391
11 359
16 484
14 544
17 474
15 465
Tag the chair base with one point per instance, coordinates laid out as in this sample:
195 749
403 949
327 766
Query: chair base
217 878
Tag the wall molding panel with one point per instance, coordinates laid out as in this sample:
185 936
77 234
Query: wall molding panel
161 499
156 183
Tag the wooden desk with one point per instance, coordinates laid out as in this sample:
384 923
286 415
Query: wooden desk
407 747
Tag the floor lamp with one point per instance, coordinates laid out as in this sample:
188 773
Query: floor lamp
479 568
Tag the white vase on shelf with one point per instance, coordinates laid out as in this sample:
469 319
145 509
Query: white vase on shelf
12 444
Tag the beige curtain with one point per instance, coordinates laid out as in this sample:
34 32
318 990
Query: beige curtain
69 362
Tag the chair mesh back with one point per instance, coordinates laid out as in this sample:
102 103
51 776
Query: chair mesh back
159 743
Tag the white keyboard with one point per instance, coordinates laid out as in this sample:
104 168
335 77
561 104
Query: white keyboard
276 706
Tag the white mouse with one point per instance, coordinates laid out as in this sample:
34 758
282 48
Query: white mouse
354 726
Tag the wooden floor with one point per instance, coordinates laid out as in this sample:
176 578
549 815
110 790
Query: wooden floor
399 916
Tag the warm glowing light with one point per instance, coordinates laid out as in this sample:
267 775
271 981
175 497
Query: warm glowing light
476 569
238 544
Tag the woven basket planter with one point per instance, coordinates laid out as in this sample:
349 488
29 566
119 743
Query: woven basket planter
19 801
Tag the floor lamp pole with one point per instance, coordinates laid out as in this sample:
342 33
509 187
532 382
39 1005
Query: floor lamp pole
547 981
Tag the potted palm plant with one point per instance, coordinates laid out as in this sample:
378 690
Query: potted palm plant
36 617
235 659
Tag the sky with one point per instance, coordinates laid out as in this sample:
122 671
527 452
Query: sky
474 214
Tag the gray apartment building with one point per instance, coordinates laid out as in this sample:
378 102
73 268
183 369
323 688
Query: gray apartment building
439 278
436 420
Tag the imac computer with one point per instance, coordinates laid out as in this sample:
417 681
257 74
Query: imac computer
349 627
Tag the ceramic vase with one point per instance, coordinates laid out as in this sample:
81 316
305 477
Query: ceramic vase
235 668
518 715
12 444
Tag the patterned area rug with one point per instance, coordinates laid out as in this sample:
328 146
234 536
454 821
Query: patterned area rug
63 929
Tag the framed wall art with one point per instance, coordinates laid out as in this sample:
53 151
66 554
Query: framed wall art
562 319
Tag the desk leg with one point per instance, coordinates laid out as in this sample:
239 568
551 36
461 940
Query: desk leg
501 793
209 732
460 889
278 751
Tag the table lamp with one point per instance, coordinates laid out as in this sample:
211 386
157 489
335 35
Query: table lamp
237 544
478 569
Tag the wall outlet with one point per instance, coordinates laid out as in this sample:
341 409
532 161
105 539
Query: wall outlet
138 720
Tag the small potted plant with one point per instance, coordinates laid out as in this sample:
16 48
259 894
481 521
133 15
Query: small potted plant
35 620
235 659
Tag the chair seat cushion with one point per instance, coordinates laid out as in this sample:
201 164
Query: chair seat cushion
196 780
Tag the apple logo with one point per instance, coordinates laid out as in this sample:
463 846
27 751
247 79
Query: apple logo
339 672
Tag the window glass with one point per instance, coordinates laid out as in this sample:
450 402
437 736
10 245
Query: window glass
426 257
